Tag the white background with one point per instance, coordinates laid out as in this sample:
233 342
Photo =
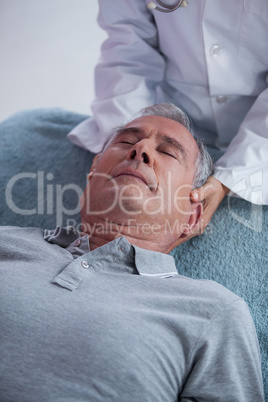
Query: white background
48 51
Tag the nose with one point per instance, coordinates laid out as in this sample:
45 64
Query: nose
140 152
144 157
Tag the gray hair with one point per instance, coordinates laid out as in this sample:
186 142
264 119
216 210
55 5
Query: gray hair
203 164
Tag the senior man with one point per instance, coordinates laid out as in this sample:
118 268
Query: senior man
103 315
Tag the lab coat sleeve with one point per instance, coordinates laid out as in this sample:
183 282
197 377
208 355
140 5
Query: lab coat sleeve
225 364
129 69
244 166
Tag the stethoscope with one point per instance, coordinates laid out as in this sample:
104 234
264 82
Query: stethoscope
167 8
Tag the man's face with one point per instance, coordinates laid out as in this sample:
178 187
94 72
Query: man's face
146 173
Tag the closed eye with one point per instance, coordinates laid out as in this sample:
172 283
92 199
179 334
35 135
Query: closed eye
126 142
169 154
127 138
168 150
173 148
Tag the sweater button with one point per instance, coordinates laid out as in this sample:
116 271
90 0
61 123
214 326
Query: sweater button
85 264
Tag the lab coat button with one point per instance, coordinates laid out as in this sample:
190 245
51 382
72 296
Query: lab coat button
215 50
221 99
85 264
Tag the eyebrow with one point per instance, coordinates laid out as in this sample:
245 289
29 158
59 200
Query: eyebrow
126 130
165 138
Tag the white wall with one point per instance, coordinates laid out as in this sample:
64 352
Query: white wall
48 50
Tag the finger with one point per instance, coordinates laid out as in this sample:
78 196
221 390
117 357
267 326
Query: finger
203 192
194 196
198 194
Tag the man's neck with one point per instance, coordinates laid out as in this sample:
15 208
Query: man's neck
102 231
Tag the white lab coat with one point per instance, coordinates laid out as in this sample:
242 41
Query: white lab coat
210 58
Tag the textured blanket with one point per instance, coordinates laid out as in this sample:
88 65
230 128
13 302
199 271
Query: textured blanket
43 176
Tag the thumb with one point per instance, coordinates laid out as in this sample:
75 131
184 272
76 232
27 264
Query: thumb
199 194
195 197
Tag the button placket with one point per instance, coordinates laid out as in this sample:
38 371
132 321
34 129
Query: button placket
74 274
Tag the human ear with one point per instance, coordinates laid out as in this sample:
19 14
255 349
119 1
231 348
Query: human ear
194 218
